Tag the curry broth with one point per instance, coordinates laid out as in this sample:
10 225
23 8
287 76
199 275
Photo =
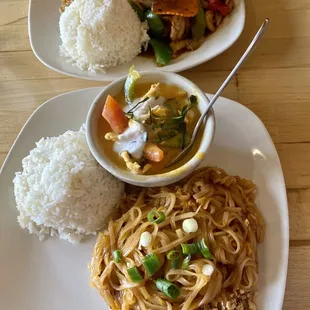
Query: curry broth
168 92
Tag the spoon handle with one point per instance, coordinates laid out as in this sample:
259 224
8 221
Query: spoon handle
246 54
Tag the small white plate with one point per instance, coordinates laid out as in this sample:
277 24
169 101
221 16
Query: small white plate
43 26
53 274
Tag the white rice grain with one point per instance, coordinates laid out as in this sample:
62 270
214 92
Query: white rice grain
62 190
98 34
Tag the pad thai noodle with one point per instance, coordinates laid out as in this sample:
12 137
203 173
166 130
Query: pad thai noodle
190 245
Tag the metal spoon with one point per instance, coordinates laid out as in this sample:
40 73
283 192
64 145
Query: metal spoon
250 48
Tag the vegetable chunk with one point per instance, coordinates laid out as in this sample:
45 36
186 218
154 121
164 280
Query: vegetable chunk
188 8
153 152
114 115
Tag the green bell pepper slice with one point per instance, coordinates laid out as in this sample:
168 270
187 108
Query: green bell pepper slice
155 23
162 51
199 24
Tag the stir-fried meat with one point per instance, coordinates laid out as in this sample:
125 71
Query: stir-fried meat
179 27
209 15
218 18
185 45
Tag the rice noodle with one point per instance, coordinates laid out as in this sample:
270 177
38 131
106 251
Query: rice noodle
228 220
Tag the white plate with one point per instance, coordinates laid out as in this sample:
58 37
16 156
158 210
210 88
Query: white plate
43 24
53 274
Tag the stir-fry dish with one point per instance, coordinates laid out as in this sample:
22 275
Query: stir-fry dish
148 125
97 35
191 245
177 26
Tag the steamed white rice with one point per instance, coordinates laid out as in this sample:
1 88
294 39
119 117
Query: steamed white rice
62 191
98 34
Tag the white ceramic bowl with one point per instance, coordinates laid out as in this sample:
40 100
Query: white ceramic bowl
43 24
115 88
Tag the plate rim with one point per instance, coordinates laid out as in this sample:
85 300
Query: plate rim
105 77
282 191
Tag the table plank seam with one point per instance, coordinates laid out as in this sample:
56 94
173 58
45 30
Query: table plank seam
292 142
299 243
17 51
14 21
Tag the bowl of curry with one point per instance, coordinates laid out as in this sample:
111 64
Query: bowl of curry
140 122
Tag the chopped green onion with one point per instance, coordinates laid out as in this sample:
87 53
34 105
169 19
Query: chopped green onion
186 261
117 256
151 263
174 257
129 87
134 275
189 248
204 249
156 217
169 289
175 263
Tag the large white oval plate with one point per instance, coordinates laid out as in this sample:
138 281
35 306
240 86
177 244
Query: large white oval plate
53 274
43 26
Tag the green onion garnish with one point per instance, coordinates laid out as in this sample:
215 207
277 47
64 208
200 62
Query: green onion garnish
174 257
151 263
189 248
204 249
117 256
168 288
156 217
134 275
132 109
186 262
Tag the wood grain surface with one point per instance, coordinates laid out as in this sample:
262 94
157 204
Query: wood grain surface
274 84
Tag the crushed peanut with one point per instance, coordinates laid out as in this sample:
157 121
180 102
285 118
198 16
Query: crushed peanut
239 300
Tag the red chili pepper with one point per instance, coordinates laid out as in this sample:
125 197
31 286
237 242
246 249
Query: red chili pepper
219 5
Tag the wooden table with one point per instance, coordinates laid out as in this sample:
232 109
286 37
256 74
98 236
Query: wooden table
274 83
